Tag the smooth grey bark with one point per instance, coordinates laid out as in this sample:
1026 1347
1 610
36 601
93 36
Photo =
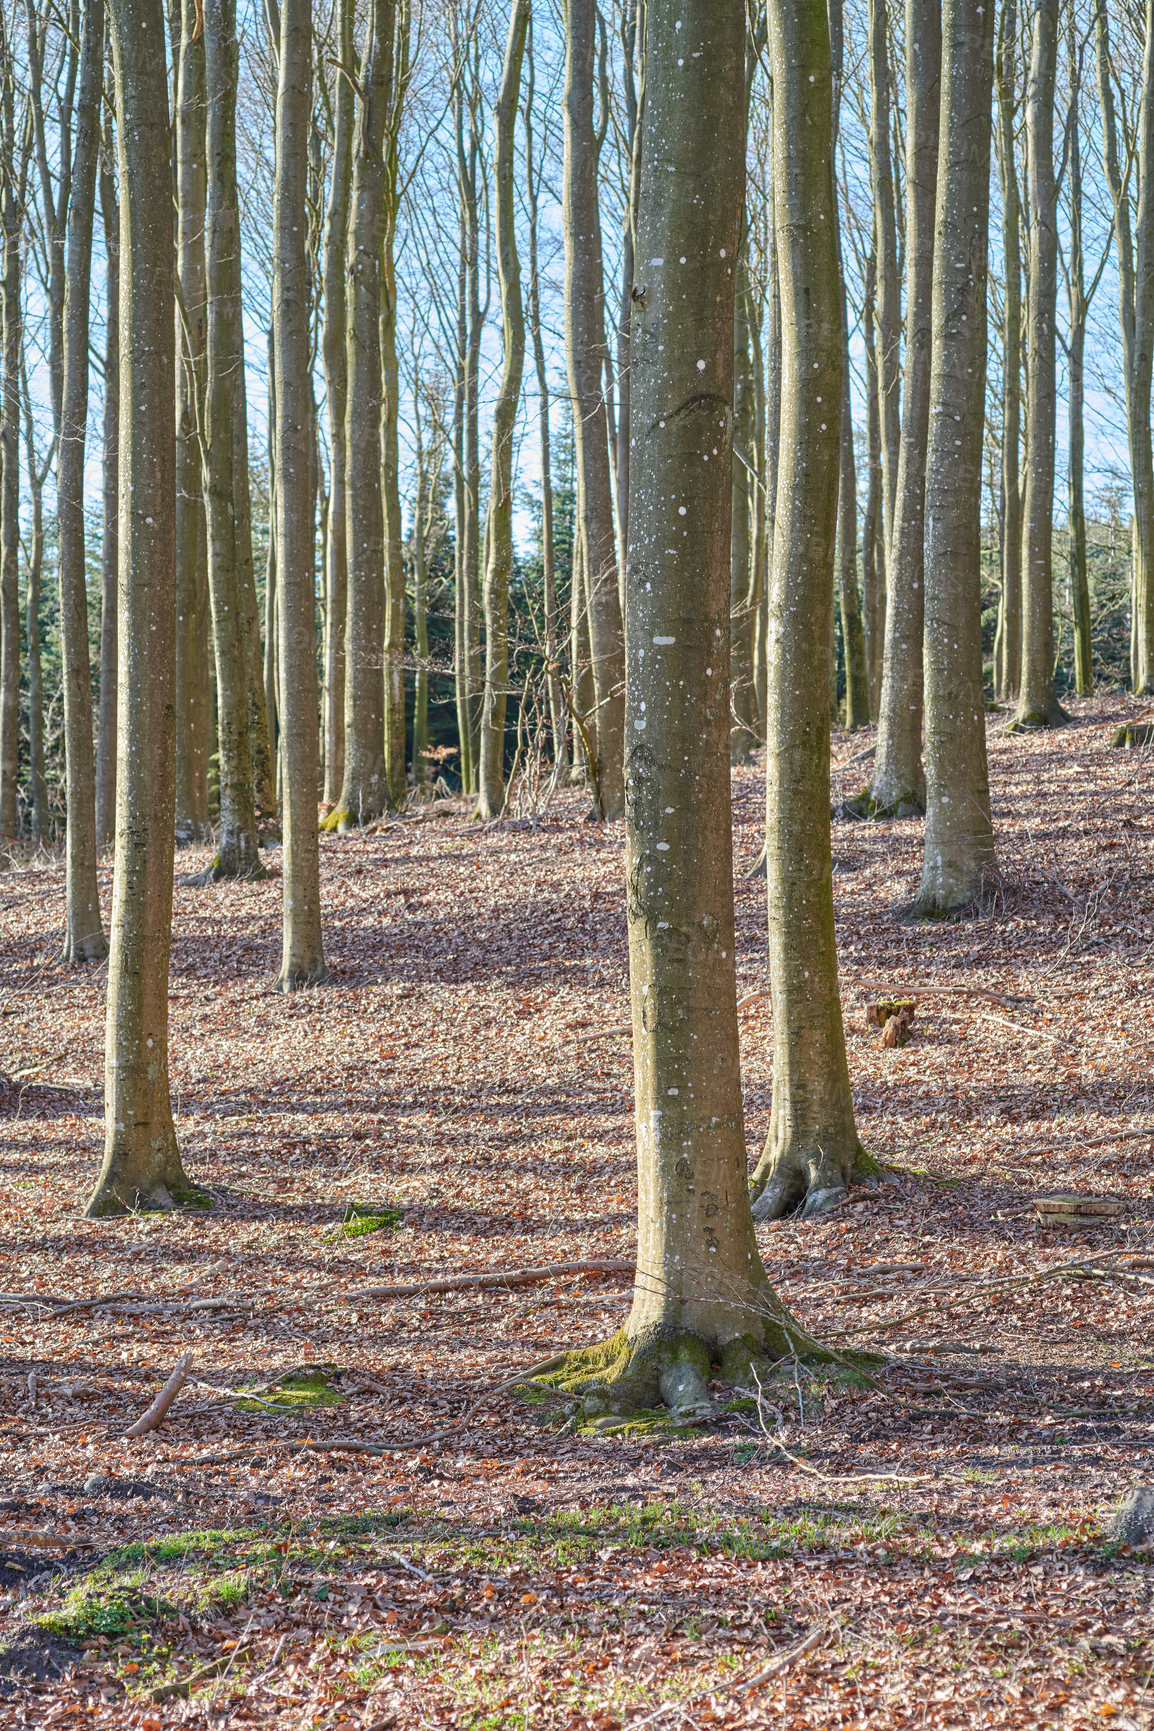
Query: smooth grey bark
142 1166
857 706
84 939
701 1297
557 713
873 556
106 711
225 470
499 528
193 622
1038 704
11 334
394 644
1130 178
363 789
585 357
1078 299
1008 639
897 786
812 1148
302 959
959 848
37 474
632 90
888 304
334 336
743 573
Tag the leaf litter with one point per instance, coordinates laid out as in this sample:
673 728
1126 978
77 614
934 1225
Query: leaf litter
928 1549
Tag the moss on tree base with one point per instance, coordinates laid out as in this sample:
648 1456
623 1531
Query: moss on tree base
1033 720
871 810
1134 734
218 869
107 1203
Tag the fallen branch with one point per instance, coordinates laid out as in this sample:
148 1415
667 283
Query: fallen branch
480 1282
816 1472
927 989
203 1674
158 1411
36 1539
1016 1027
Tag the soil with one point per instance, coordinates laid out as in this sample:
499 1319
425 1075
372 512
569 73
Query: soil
930 1550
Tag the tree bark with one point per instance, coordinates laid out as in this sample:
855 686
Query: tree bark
225 471
37 473
499 529
193 626
84 939
363 790
394 651
873 542
889 304
959 850
701 1298
1008 641
334 336
11 332
1134 240
897 787
302 960
106 713
1078 304
557 715
1038 704
142 1166
812 1148
742 577
585 354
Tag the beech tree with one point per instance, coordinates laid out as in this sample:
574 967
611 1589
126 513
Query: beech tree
334 335
499 529
142 1166
585 353
1008 640
959 848
84 939
1038 704
106 713
897 786
812 1148
701 1304
12 177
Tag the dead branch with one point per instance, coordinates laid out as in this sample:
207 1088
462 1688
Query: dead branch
479 1282
37 1539
927 989
158 1411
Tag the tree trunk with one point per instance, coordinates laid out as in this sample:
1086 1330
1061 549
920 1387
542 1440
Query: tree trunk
585 352
225 472
1038 704
37 472
548 551
302 962
499 529
701 1298
334 336
873 558
142 1167
1129 184
812 1148
889 303
897 787
742 577
11 331
959 856
1076 383
84 939
390 431
469 528
193 629
106 713
1008 642
363 790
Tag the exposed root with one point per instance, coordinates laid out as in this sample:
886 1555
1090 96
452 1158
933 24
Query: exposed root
1133 735
108 1202
218 868
812 1180
872 810
660 1378
298 977
1032 720
92 948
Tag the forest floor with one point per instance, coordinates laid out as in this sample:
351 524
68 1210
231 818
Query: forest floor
491 1567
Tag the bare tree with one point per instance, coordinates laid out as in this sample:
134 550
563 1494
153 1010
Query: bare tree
106 714
142 1166
959 848
333 351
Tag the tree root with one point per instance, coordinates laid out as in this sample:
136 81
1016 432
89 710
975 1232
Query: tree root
108 1203
660 1378
1033 720
813 1181
1134 734
871 810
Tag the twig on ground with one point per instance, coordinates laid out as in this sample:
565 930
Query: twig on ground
816 1472
930 989
158 1411
38 1539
